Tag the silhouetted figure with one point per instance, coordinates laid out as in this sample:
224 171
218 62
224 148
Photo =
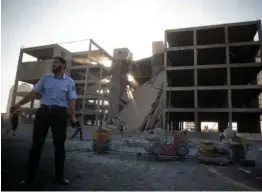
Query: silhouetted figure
14 122
78 128
122 130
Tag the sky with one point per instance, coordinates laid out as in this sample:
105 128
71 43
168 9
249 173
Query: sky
111 23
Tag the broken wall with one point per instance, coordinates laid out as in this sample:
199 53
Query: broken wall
137 110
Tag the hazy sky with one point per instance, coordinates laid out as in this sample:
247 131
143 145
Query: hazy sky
111 23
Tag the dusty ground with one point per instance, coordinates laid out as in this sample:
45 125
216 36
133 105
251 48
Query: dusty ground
89 171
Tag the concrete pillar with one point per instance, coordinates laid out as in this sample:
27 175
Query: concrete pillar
120 68
222 125
197 125
16 77
182 125
196 114
84 99
228 78
157 60
176 125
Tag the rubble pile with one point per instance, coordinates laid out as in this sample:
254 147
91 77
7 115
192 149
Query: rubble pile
144 110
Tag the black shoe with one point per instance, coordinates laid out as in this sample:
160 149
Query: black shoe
26 185
63 181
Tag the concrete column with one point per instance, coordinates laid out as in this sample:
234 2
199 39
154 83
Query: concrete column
181 125
260 37
84 98
197 124
164 86
103 111
157 61
98 109
222 125
176 125
228 78
114 90
16 77
120 68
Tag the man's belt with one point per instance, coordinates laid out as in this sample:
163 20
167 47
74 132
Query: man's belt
53 107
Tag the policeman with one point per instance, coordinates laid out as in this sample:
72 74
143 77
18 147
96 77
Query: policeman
57 93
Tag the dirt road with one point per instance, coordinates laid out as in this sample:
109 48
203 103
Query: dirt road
89 171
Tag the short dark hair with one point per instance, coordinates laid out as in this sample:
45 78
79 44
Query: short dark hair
61 59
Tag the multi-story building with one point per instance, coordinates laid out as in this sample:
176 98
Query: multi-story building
200 74
87 68
211 75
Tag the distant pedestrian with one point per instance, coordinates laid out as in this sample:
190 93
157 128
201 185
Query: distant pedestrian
122 130
221 136
14 122
57 92
78 128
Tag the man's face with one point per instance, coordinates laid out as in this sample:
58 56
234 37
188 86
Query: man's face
57 66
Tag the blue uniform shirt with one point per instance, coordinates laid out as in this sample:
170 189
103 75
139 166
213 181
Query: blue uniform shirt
55 91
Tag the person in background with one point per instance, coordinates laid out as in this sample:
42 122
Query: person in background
122 130
57 92
14 121
221 136
78 128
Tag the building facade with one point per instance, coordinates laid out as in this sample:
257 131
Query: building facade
87 68
211 75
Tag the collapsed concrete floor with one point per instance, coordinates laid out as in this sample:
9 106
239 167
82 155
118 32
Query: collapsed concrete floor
208 74
89 171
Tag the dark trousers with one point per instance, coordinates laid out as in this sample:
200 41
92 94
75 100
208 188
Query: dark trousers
77 131
45 117
14 124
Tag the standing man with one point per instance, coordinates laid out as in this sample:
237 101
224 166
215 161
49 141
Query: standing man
57 94
122 129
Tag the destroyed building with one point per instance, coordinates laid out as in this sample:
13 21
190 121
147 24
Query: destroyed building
85 67
211 74
198 74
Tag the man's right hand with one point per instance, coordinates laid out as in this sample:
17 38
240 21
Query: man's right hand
74 119
13 108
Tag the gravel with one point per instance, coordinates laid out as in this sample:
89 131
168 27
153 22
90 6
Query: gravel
89 171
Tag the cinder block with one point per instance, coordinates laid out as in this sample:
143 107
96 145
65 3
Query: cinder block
123 54
158 47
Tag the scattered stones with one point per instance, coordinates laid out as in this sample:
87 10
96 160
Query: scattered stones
89 171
